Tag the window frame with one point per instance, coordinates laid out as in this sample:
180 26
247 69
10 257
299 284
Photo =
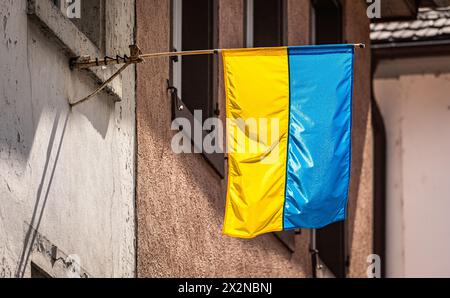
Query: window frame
249 23
100 43
179 110
322 237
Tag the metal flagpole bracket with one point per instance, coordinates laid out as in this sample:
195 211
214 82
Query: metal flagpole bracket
85 62
136 53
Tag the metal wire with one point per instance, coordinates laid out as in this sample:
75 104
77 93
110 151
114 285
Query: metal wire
102 86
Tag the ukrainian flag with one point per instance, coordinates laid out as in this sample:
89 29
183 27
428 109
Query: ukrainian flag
297 177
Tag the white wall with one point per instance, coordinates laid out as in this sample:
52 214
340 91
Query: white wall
67 173
416 111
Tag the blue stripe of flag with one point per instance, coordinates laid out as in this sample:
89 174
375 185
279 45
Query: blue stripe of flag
319 146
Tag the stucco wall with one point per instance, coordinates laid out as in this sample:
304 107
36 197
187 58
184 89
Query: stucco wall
180 199
298 22
360 209
66 175
416 109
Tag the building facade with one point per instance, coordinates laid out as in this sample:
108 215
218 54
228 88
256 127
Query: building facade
94 189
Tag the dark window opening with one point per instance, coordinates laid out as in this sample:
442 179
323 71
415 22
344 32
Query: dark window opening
327 18
268 23
331 240
37 272
194 78
198 72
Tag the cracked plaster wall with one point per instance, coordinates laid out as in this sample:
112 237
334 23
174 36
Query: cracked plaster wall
66 173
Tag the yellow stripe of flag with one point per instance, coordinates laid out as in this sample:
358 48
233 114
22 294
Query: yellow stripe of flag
257 93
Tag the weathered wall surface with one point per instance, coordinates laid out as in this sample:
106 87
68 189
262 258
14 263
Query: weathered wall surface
66 175
180 199
360 209
298 22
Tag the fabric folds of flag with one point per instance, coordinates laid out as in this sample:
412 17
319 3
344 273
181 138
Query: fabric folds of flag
289 112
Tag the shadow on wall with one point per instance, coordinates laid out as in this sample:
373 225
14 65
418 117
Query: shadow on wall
98 112
42 194
38 83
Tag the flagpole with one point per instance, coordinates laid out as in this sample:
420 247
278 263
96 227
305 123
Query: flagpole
86 62
136 57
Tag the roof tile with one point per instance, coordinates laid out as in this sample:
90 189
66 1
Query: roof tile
429 25
406 34
416 24
445 30
385 35
392 26
440 22
374 35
